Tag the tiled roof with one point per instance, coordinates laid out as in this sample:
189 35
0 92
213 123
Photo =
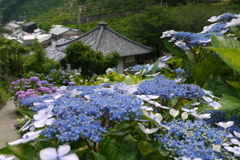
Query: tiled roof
53 52
106 40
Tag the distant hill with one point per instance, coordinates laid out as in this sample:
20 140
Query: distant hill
48 12
30 9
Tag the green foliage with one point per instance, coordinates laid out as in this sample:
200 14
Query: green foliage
11 53
4 96
228 103
90 61
38 62
3 30
219 87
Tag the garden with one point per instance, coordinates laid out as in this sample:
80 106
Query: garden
181 107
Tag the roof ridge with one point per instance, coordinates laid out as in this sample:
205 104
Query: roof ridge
59 45
98 38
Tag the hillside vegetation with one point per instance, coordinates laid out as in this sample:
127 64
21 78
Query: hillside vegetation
66 11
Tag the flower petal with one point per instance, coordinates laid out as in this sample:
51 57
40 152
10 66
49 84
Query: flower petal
141 127
9 158
50 121
48 154
19 141
71 156
62 150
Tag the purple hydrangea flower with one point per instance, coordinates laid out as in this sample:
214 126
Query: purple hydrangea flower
71 83
34 79
19 92
54 88
43 89
22 96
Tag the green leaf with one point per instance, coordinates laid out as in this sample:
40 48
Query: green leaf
218 87
98 156
234 84
145 147
128 151
177 51
141 134
121 127
224 42
230 56
228 103
5 150
108 149
134 80
81 151
202 71
139 76
24 151
154 68
26 111
235 29
129 81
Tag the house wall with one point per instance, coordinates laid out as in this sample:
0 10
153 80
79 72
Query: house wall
125 62
28 42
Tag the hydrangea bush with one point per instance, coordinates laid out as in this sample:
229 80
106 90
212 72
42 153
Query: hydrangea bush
157 113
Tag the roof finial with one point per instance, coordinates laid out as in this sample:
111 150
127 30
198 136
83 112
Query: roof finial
102 23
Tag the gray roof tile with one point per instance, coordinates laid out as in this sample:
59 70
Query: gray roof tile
106 40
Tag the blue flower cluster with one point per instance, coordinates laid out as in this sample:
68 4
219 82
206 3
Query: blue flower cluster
221 116
90 114
167 89
193 140
60 76
223 17
188 40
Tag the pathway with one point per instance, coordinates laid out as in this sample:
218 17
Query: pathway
7 120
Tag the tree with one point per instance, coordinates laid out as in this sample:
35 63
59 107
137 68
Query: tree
38 62
147 27
90 61
11 53
3 30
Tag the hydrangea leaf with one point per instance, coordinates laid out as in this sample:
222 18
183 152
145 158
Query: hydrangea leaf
234 84
26 111
202 71
5 150
154 68
98 156
109 148
224 42
24 151
177 51
81 151
230 56
128 151
130 80
218 87
235 29
145 147
228 103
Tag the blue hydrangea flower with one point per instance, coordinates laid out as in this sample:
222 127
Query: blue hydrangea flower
193 140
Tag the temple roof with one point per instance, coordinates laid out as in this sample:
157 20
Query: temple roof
104 39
